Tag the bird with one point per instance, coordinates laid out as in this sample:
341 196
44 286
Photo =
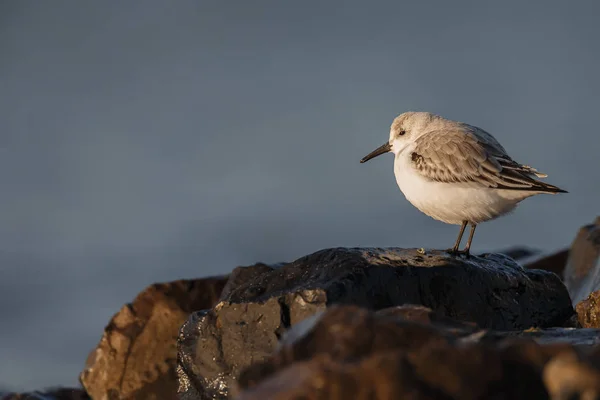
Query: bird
457 173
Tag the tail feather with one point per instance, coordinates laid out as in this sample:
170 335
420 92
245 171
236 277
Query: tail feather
516 176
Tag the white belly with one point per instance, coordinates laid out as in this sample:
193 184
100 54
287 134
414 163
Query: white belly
453 203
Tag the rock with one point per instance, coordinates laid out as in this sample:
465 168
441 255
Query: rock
571 336
426 316
582 275
50 394
491 291
136 356
588 311
385 376
348 352
582 272
571 376
347 333
555 262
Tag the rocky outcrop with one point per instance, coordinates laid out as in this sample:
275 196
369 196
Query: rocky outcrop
348 352
582 274
489 291
136 356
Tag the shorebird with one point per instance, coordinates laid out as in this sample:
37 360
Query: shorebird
457 173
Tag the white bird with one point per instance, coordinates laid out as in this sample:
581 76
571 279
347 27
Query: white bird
457 173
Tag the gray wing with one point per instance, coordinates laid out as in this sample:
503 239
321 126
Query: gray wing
470 155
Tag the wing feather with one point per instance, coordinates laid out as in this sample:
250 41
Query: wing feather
468 154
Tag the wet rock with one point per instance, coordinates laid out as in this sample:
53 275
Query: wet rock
582 272
136 356
347 352
491 291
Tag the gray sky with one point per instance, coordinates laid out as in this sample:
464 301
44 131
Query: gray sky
147 141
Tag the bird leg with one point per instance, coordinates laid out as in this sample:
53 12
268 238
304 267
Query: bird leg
468 246
454 250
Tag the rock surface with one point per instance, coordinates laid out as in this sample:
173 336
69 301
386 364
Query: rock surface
347 352
588 311
136 356
260 303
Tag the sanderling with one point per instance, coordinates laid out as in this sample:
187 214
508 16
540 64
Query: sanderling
457 173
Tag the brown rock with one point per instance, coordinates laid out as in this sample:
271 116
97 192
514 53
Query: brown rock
570 376
345 333
426 316
348 352
383 376
588 311
491 290
136 356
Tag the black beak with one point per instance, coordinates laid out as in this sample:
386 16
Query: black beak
377 152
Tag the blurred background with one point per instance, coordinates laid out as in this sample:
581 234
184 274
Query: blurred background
147 141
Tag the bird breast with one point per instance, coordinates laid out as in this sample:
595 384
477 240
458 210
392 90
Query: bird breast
451 203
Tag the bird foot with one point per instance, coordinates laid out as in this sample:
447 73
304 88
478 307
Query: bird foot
456 252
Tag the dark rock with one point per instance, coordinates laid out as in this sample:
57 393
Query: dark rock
137 355
582 272
491 291
347 352
240 275
50 394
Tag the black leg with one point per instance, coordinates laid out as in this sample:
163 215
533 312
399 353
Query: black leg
468 246
454 250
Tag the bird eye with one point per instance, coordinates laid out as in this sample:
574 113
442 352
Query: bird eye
401 133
